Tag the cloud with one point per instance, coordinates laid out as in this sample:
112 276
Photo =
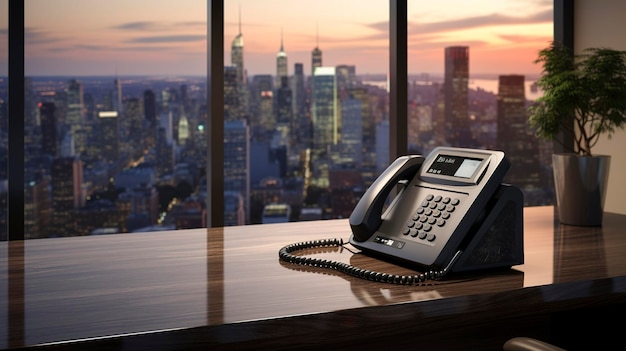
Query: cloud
142 26
191 24
496 19
159 27
465 23
167 39
152 26
525 38
38 36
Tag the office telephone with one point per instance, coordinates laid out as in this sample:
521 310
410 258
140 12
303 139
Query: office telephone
451 213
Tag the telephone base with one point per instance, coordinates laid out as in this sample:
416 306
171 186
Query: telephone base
498 240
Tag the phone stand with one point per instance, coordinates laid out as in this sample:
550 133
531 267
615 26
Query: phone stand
498 234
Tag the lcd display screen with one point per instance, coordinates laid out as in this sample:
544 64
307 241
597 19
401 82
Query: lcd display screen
454 166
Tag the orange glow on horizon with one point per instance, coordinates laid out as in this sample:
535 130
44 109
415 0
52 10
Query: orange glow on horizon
147 37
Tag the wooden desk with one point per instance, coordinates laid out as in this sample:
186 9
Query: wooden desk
225 288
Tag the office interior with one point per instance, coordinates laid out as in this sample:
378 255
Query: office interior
582 23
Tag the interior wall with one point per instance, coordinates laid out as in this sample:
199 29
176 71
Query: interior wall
600 23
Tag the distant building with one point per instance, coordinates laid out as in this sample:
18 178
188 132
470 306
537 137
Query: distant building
237 162
109 123
276 213
135 177
149 107
311 214
48 122
316 59
281 64
516 138
234 211
67 195
325 118
455 86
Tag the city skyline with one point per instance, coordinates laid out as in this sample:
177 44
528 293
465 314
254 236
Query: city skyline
504 36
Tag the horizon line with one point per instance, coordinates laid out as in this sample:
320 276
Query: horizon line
533 75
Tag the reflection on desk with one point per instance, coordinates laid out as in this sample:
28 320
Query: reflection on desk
226 288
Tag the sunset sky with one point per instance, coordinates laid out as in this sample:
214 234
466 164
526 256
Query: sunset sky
164 37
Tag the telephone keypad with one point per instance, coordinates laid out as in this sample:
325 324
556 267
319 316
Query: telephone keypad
435 210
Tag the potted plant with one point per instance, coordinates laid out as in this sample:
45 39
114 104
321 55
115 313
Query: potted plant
584 98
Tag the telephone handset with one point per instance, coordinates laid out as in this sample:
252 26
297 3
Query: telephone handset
366 216
452 213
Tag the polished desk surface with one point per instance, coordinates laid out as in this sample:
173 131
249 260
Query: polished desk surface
227 287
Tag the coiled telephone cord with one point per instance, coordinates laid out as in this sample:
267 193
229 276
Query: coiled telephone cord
285 254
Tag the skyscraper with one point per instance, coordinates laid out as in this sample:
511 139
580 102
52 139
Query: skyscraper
164 151
183 129
515 136
237 61
75 114
131 122
284 104
237 164
351 132
316 57
281 64
263 117
231 94
301 129
67 181
283 138
456 80
325 114
149 106
109 135
49 143
325 118
316 60
382 146
117 97
346 79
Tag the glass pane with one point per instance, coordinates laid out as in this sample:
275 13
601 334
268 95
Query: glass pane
471 79
115 108
4 114
305 102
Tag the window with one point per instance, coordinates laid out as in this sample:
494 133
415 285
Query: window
318 177
115 110
305 84
471 79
